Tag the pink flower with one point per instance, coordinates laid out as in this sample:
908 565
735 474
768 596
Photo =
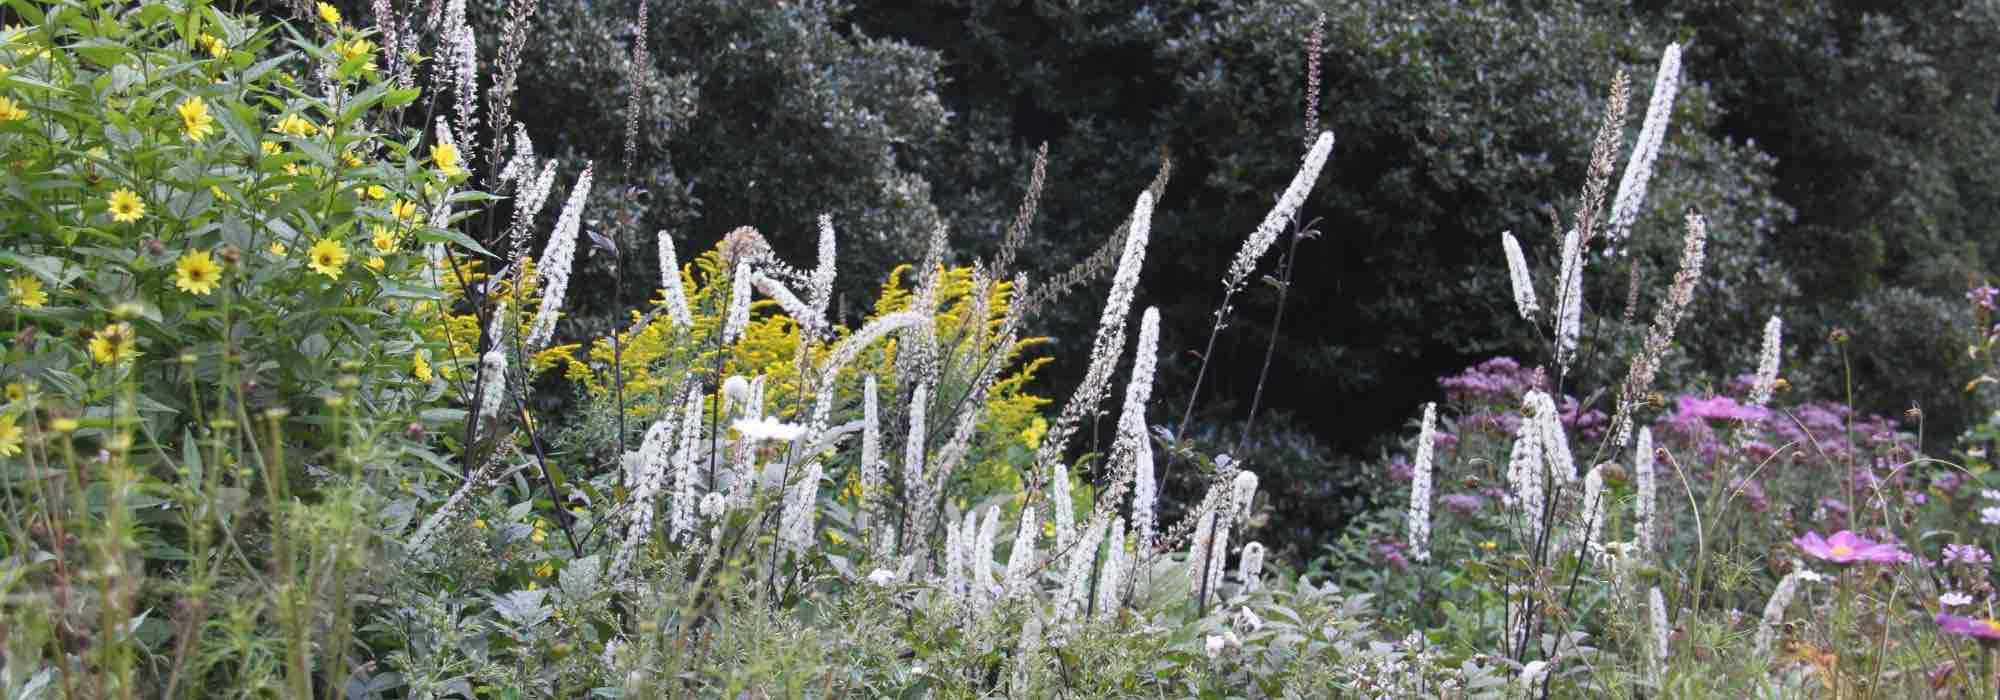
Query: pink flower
1719 408
1845 547
1983 630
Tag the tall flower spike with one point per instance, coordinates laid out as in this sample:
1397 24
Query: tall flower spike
1111 574
670 283
555 264
1076 583
681 523
1022 559
1134 444
1663 631
954 562
654 458
1593 505
1569 299
1063 505
1420 488
1525 473
1645 507
738 319
914 489
493 380
1280 215
1639 169
1660 336
982 556
1767 362
1517 270
800 506
1109 343
1252 567
871 453
821 292
1554 442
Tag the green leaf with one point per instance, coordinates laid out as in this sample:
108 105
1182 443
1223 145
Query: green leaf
437 235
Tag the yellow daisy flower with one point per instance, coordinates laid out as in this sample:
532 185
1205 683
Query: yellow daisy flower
407 211
16 391
384 241
446 157
214 46
348 159
195 119
220 195
376 263
112 344
326 257
271 148
295 126
378 192
329 14
478 523
278 249
26 290
546 569
11 111
420 368
126 206
10 437
197 273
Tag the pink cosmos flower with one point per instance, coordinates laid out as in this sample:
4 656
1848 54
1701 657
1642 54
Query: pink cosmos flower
1845 547
1984 630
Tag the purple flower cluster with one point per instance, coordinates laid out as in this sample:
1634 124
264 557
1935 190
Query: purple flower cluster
1983 296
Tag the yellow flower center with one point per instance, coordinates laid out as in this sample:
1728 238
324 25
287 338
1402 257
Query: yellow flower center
1841 550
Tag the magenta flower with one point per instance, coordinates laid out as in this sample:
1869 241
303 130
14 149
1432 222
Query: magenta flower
1719 408
1983 630
1845 547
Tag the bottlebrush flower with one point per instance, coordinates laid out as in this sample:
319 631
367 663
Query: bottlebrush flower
768 429
1022 558
1281 214
1774 609
556 262
1517 270
1845 547
1645 505
738 319
871 452
670 282
1420 488
1767 363
1663 631
1569 298
1639 169
1251 568
1111 576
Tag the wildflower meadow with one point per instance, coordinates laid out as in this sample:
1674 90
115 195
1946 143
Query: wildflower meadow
327 376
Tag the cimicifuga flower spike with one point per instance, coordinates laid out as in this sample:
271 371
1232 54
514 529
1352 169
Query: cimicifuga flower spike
1517 270
800 507
843 354
821 292
1526 472
1144 496
1027 654
1593 505
1063 505
1198 546
1774 609
1420 488
1022 559
1660 337
1663 631
982 554
420 542
1281 214
1252 567
1111 574
530 196
655 456
681 522
1639 169
738 319
670 283
871 453
1242 491
1554 442
1767 362
1645 507
954 562
1218 558
968 542
914 488
1076 580
1109 343
555 264
493 383
790 302
1569 299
